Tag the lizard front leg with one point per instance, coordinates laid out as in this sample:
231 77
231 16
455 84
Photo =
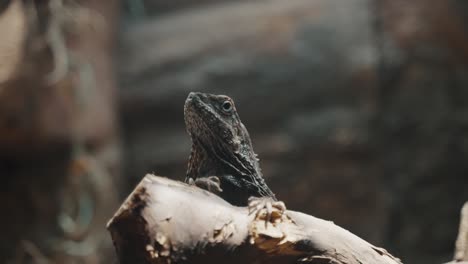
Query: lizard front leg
266 208
209 183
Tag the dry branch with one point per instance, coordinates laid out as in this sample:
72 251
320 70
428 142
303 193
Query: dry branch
164 221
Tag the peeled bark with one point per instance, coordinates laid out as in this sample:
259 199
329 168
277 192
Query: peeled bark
164 221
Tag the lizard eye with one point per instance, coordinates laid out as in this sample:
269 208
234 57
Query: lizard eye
227 106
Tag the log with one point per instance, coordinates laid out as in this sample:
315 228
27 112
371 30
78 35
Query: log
164 221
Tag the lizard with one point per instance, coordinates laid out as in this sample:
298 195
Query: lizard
222 159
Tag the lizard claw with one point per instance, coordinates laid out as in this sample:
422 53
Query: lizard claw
265 208
210 183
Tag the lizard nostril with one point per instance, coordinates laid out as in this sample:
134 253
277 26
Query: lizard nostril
191 95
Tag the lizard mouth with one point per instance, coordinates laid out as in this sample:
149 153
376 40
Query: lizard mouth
194 102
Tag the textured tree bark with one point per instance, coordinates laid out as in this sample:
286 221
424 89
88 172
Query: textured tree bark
164 221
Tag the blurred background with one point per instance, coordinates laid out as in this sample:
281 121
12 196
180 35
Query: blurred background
357 109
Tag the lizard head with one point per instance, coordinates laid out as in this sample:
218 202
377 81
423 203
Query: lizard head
213 119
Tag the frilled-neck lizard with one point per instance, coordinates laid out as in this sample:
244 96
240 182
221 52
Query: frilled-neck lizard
222 158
